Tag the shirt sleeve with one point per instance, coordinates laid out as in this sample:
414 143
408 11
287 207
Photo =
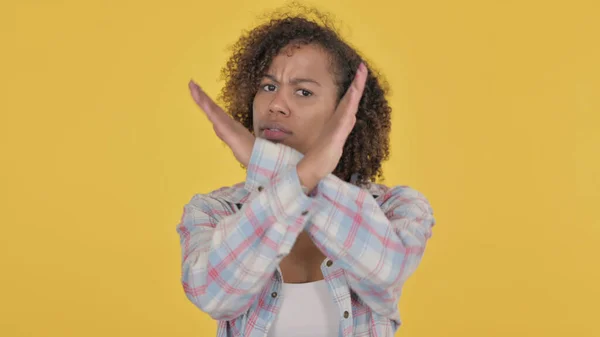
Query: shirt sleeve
378 243
228 256
379 247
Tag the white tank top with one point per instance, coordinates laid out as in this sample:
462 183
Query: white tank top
306 310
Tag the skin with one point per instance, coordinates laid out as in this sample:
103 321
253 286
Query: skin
317 127
323 149
298 92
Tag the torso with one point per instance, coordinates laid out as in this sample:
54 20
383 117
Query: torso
303 263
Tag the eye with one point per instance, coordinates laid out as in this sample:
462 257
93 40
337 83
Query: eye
304 93
269 87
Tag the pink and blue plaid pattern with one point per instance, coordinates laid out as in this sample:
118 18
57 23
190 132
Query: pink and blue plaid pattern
233 239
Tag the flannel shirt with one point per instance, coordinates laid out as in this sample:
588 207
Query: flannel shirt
232 240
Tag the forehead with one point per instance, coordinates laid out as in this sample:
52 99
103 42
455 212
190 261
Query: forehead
302 61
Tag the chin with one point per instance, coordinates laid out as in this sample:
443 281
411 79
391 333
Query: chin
279 141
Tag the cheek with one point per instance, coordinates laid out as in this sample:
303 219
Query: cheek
314 119
256 116
260 103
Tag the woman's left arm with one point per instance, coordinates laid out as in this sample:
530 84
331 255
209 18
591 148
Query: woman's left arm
378 242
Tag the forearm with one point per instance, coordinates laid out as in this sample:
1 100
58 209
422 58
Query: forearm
216 248
306 174
378 245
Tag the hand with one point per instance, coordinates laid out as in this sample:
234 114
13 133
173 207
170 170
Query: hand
324 156
232 132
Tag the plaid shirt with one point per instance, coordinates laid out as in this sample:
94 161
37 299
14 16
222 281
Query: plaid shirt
233 239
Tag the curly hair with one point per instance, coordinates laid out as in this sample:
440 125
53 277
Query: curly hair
367 146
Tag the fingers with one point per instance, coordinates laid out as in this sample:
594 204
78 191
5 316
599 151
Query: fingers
360 78
210 108
351 99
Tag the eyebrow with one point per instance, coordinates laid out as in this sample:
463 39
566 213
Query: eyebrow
293 80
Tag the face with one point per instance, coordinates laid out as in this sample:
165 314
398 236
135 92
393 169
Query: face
296 97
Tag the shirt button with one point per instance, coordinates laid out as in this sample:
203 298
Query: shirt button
274 294
260 188
329 263
346 314
304 213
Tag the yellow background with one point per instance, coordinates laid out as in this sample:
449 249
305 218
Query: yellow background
496 119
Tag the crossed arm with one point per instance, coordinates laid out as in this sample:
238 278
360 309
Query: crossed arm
228 256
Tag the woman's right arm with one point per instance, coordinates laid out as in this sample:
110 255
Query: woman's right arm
227 256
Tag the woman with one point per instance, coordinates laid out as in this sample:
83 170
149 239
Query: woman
308 244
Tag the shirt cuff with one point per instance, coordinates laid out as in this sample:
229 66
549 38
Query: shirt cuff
266 160
290 207
288 202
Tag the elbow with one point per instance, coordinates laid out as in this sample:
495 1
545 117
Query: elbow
390 281
219 306
223 315
408 265
216 309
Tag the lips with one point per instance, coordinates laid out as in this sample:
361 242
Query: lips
275 131
275 126
274 134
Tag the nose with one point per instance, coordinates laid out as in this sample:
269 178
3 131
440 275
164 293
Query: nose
279 105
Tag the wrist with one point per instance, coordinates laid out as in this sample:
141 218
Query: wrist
306 175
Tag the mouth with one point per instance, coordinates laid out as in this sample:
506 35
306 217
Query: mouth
275 132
